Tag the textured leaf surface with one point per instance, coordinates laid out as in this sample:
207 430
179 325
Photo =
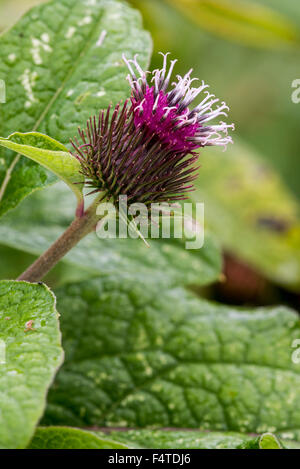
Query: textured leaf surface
42 218
251 212
243 21
137 355
30 358
187 439
167 439
72 438
49 153
62 63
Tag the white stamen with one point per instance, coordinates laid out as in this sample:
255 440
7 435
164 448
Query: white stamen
140 107
128 62
167 80
164 67
206 107
168 110
199 106
179 98
137 66
155 103
215 113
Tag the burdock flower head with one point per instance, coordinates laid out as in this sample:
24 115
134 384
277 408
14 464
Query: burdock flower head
146 149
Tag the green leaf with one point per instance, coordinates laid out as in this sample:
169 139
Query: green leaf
244 21
74 438
71 438
179 439
269 441
265 441
49 153
187 439
29 358
40 220
251 212
61 64
139 355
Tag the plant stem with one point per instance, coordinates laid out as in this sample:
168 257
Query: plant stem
78 229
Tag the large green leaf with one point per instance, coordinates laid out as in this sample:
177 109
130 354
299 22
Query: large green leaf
167 439
244 21
36 224
140 355
31 354
49 153
61 63
74 438
251 212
